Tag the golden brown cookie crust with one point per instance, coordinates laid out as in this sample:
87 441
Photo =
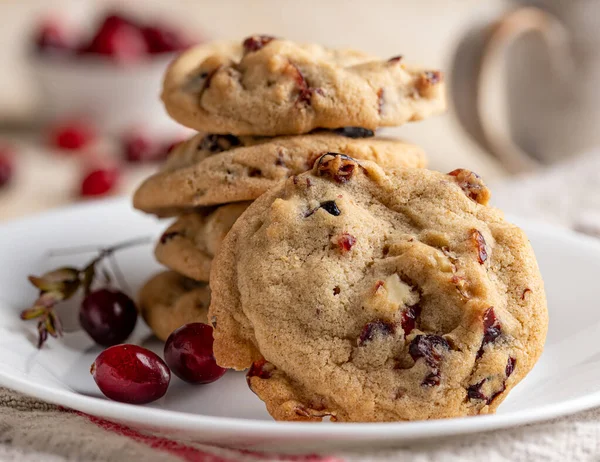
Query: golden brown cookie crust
190 243
168 301
368 295
269 87
210 170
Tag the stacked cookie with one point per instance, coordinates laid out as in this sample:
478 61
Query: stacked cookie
264 110
352 283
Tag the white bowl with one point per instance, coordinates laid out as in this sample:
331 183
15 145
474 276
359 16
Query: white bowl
112 95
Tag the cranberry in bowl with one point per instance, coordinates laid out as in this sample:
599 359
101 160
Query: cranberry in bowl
112 76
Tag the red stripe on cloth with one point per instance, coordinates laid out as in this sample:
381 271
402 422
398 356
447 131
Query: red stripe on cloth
192 454
175 448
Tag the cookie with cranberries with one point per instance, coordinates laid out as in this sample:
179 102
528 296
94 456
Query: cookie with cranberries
211 169
362 294
267 86
190 243
169 300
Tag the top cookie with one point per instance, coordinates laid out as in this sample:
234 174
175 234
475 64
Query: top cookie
216 169
367 295
268 86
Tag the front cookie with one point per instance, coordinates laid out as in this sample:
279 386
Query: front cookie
270 87
168 301
371 296
211 170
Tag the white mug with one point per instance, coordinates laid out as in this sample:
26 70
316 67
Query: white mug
526 85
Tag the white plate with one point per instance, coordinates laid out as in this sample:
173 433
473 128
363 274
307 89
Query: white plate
565 380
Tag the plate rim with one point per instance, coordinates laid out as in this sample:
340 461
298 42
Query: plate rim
178 420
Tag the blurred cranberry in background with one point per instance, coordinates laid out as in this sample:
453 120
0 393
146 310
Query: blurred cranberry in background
118 38
111 73
6 165
52 38
99 181
163 39
138 146
72 135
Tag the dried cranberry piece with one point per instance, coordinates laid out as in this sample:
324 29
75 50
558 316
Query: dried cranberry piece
261 369
345 241
409 318
354 132
491 329
472 185
525 292
510 366
304 90
491 326
331 208
166 237
339 167
431 348
256 42
375 328
474 391
395 59
427 81
218 143
479 241
380 101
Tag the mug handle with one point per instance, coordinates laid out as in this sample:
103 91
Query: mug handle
489 128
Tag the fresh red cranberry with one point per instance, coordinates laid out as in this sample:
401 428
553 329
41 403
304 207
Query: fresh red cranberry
131 374
51 38
118 38
108 316
6 166
99 182
162 39
140 147
189 354
72 135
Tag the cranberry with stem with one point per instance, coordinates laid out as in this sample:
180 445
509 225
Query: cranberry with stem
189 354
108 316
61 284
131 374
